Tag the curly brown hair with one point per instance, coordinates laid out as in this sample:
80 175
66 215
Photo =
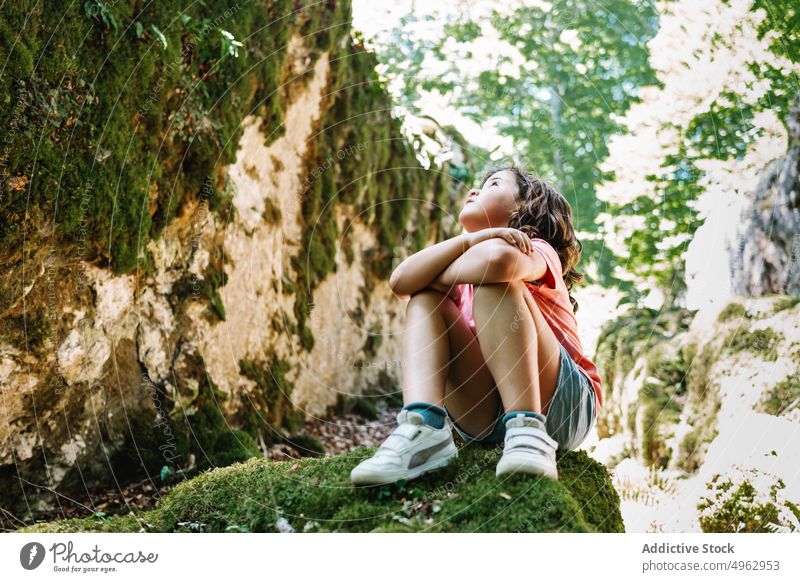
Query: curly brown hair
545 213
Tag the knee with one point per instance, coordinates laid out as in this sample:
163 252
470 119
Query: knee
493 292
427 297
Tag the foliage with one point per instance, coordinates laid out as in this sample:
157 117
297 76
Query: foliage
732 311
783 397
784 303
726 75
554 80
758 341
208 434
742 508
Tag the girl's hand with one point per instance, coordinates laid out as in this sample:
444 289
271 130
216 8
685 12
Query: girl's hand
512 236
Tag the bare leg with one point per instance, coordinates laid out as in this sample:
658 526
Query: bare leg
518 345
443 363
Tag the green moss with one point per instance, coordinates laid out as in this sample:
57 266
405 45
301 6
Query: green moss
732 311
306 445
206 288
784 303
272 213
209 436
316 495
270 407
30 329
761 342
378 173
135 107
654 449
629 336
693 448
373 342
365 408
781 398
127 124
701 406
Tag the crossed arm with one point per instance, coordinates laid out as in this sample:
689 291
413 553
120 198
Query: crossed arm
462 260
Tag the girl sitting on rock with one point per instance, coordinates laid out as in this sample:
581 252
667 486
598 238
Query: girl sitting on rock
490 343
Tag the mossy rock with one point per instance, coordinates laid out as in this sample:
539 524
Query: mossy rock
762 342
781 398
787 302
306 445
732 311
316 495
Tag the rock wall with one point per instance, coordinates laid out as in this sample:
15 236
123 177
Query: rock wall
701 410
766 258
254 292
700 425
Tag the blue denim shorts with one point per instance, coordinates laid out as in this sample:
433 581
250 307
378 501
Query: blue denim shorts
571 415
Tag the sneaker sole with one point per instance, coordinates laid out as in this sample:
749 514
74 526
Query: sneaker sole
527 467
373 479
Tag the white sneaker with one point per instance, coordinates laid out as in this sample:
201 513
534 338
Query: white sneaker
413 448
528 448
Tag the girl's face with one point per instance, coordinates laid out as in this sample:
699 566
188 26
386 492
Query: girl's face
492 205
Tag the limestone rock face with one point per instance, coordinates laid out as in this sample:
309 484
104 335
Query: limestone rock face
699 411
254 307
700 416
767 256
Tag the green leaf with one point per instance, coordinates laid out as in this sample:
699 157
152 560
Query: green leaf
160 35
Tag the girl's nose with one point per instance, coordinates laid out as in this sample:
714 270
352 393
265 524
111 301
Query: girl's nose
472 193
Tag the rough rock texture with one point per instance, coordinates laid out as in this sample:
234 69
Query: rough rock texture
258 294
691 409
767 257
312 495
701 410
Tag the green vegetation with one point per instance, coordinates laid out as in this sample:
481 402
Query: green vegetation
534 103
677 381
207 434
739 509
270 407
795 355
702 404
316 495
138 108
784 303
761 342
132 110
662 396
384 184
365 408
306 445
272 213
732 311
689 457
207 288
631 335
783 397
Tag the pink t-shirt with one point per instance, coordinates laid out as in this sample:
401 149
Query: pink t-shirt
552 297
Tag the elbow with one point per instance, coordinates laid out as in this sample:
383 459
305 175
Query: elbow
396 284
499 263
394 279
